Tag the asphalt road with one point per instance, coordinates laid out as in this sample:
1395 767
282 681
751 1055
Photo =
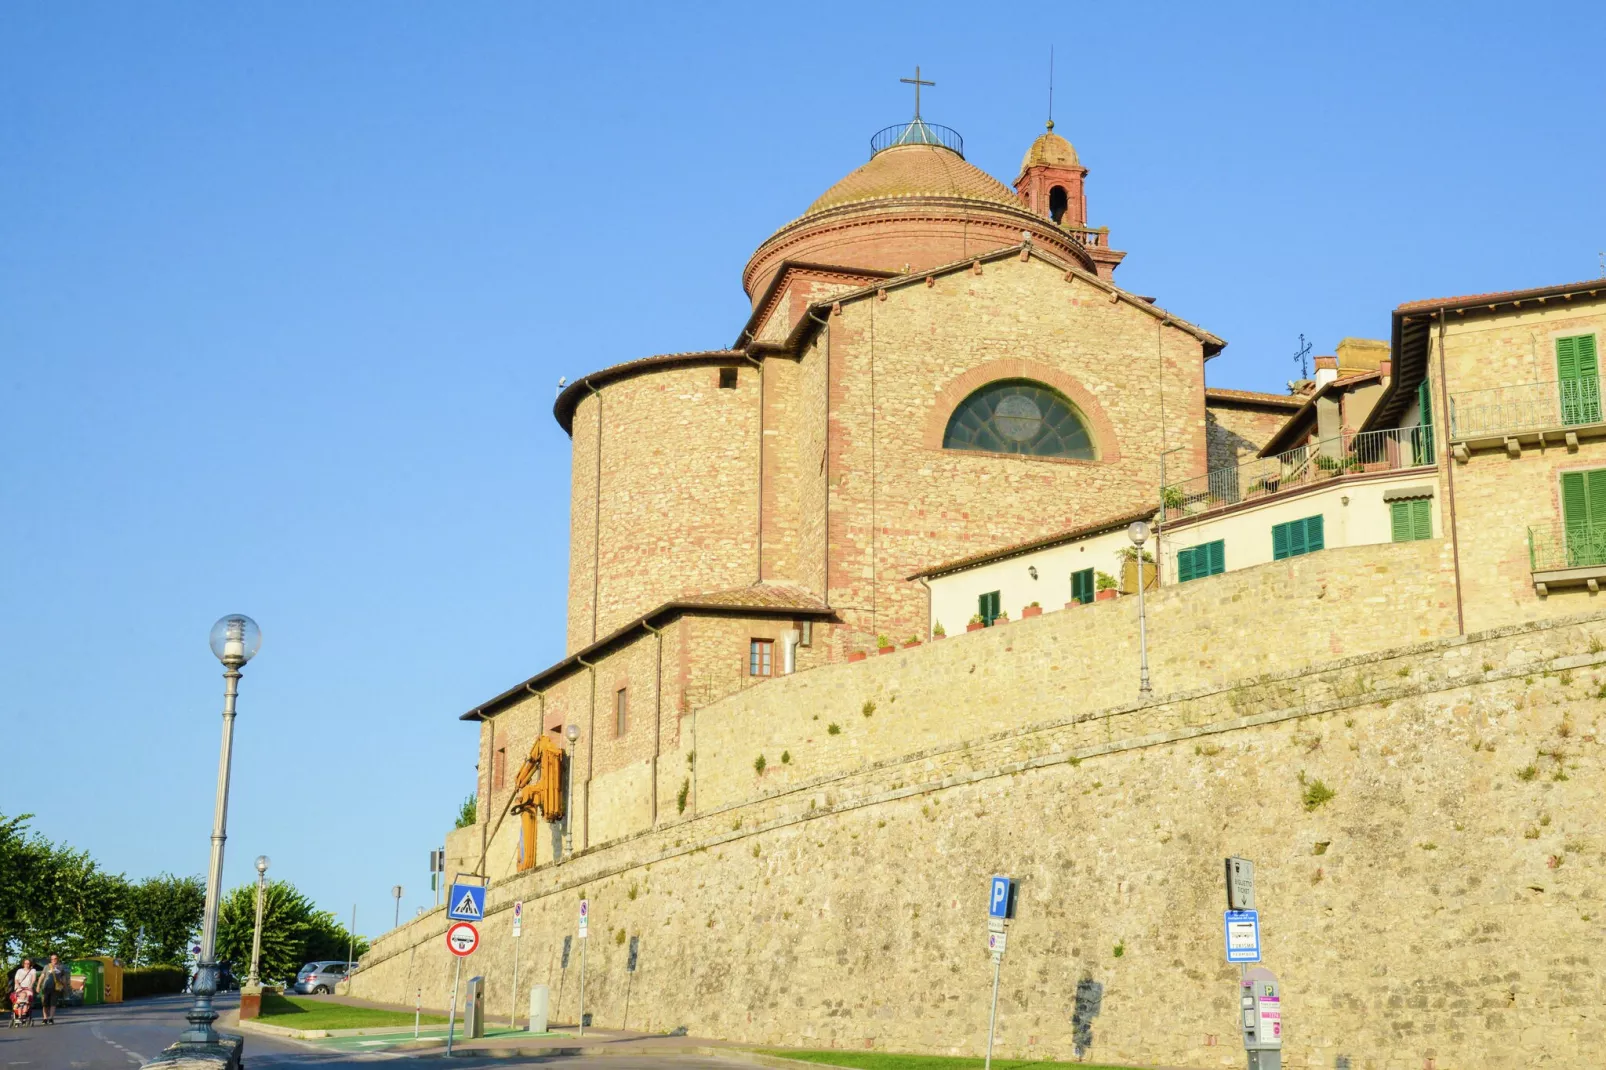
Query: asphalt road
123 1036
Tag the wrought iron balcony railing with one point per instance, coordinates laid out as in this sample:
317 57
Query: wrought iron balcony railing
917 132
1557 546
1305 466
1506 410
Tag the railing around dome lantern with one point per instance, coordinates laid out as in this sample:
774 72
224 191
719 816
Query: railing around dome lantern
917 132
1089 236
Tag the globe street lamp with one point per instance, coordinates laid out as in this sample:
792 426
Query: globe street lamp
1138 532
256 938
235 640
572 732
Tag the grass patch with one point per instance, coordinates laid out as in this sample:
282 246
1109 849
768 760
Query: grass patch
295 1012
881 1060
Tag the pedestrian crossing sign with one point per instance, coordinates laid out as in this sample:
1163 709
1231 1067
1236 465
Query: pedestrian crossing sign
466 903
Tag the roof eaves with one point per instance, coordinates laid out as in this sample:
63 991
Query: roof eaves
1047 542
668 611
783 274
569 397
1228 396
806 323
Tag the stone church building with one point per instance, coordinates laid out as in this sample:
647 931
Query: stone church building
936 364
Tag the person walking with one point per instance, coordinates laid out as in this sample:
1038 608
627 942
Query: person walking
53 987
22 986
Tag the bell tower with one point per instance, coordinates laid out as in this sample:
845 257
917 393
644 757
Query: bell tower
1051 180
1052 184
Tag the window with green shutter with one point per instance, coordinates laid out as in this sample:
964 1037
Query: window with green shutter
1082 586
1411 520
1583 512
1578 375
1296 537
1422 443
987 606
1197 562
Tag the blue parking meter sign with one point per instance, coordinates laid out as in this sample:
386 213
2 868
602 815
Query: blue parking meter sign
466 903
1001 898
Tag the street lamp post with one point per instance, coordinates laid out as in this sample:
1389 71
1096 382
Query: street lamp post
572 732
256 937
235 640
1138 532
396 893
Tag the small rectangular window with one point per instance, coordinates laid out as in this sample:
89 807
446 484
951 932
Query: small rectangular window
806 633
987 607
1411 520
621 712
727 378
498 768
1082 586
1206 559
761 657
1303 536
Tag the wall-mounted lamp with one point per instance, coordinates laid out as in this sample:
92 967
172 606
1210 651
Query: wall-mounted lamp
1031 570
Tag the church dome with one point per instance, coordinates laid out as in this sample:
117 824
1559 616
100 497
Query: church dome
917 204
1050 150
915 170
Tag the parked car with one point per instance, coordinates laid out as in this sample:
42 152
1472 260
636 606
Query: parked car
319 978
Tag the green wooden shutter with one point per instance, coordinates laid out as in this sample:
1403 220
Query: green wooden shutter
1082 586
1218 557
1184 565
1421 519
1313 534
1578 372
1574 501
1424 437
1279 541
1400 522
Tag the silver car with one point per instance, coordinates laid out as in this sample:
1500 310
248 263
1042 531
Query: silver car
319 978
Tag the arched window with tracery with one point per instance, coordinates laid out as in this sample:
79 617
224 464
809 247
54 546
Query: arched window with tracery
1020 416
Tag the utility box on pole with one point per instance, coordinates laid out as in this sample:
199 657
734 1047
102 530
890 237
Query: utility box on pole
540 1008
474 1010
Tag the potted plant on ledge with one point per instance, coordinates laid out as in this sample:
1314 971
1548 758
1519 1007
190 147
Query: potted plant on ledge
1105 586
938 632
856 655
911 641
884 645
976 623
1033 610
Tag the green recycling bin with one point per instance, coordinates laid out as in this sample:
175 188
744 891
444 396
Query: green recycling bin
88 982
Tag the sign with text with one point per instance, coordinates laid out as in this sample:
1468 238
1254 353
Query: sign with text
1240 884
996 942
1243 935
518 917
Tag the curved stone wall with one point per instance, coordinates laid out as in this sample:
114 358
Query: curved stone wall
675 510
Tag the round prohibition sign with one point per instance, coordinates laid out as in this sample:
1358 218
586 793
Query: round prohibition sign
462 938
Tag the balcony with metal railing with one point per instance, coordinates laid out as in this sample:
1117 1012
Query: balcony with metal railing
1562 554
1526 412
1301 468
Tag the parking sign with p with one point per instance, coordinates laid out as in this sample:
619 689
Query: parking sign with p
1001 898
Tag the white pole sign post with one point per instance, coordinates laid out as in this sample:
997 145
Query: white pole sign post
1000 908
518 923
461 940
585 915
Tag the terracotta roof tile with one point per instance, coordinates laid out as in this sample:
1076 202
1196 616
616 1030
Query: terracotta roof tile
756 596
1502 296
1042 543
1254 397
915 171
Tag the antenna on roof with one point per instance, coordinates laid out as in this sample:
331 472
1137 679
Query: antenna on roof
563 381
1602 264
1051 87
1301 358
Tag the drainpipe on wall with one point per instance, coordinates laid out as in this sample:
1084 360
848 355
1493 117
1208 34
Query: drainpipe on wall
789 641
759 571
657 718
825 466
1449 473
591 752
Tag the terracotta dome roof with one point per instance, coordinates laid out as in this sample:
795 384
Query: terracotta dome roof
1050 150
913 171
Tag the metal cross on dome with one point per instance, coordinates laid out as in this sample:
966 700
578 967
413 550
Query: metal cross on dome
917 83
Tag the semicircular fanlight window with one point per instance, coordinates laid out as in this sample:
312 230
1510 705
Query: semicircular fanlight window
1019 416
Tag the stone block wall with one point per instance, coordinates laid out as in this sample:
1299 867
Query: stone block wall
1424 819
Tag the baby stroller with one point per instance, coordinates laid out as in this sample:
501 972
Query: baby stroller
21 1009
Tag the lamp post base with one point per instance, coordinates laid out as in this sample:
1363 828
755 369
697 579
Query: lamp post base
250 1002
188 1055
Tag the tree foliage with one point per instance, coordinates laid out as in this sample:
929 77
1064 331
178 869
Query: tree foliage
468 813
169 910
54 899
294 931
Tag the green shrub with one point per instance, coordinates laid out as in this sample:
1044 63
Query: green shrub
680 797
758 765
153 981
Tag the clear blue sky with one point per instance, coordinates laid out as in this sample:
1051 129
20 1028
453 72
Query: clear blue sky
285 288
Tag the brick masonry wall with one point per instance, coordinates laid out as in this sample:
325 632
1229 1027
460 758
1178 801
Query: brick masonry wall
1236 433
680 487
1463 823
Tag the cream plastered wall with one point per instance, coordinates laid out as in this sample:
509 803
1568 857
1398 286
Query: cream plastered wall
954 596
1353 510
1439 905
